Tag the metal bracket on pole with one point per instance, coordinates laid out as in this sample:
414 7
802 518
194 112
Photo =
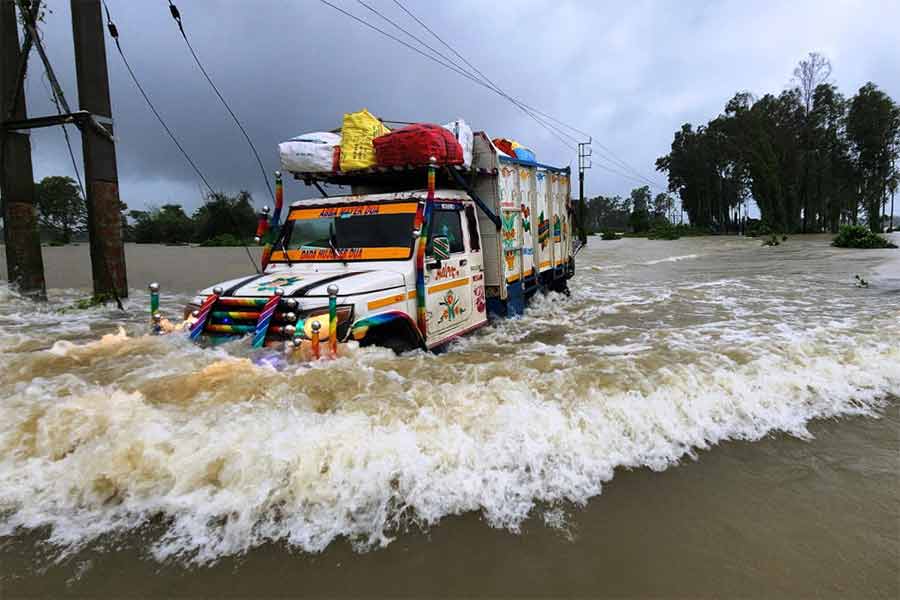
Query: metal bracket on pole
31 33
474 196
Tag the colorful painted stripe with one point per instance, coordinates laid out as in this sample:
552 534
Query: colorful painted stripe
352 210
202 316
230 329
423 222
327 254
235 314
265 317
361 327
227 302
382 302
448 285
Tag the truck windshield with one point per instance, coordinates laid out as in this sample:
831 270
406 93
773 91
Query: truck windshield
348 232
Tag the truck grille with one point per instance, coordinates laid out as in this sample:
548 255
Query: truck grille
234 317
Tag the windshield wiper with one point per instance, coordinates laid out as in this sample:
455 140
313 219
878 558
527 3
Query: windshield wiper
284 250
332 241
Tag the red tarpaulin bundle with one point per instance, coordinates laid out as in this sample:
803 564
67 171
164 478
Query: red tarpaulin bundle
415 145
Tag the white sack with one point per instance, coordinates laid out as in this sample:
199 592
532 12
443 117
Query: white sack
309 152
463 134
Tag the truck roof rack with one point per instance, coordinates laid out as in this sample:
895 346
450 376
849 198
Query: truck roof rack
406 177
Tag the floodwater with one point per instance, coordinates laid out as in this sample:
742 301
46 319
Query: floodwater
703 417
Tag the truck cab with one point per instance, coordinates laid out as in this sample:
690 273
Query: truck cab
366 246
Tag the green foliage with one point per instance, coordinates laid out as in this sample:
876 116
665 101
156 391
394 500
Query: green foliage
772 241
873 123
60 207
224 239
757 228
605 212
166 225
639 221
609 234
664 231
808 158
221 221
222 214
857 236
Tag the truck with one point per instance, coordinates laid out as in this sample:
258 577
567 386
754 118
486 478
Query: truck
413 257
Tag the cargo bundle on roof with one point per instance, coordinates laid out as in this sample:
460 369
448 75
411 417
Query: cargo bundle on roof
416 145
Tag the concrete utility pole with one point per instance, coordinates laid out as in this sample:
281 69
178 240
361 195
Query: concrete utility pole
584 162
24 262
101 177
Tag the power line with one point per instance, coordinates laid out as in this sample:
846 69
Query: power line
611 155
59 101
177 16
448 65
114 33
487 82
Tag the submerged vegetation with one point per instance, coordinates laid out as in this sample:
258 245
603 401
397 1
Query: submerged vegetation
857 236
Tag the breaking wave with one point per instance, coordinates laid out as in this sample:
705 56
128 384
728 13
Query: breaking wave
113 430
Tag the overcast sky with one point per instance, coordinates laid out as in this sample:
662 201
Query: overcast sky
629 73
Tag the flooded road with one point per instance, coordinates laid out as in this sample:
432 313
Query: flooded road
701 417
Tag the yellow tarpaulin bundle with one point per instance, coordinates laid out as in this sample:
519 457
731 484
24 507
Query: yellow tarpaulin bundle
357 133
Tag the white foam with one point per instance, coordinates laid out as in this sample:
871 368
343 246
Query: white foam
671 259
106 435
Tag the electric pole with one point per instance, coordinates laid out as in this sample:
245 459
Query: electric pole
100 174
584 162
24 262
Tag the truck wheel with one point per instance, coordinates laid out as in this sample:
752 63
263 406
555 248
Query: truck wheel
396 336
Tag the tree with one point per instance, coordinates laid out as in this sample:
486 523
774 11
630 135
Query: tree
175 227
61 209
639 221
607 213
807 157
166 225
810 74
662 206
873 125
225 215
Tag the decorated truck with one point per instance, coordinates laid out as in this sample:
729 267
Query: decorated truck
413 257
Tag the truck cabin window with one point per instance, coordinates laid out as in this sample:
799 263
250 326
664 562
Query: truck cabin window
356 232
446 223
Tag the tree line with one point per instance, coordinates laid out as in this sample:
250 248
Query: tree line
810 158
220 220
639 212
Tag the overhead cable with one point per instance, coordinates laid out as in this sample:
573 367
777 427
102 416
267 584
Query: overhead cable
114 33
177 16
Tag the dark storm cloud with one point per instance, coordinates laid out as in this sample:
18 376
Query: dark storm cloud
628 73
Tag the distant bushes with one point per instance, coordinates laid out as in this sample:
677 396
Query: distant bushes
225 239
857 236
663 231
668 231
608 234
221 221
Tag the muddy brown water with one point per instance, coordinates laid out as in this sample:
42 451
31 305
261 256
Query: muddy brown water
703 417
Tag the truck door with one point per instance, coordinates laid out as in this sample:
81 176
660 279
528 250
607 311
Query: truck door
476 265
448 281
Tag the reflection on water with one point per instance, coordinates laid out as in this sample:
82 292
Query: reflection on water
664 348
